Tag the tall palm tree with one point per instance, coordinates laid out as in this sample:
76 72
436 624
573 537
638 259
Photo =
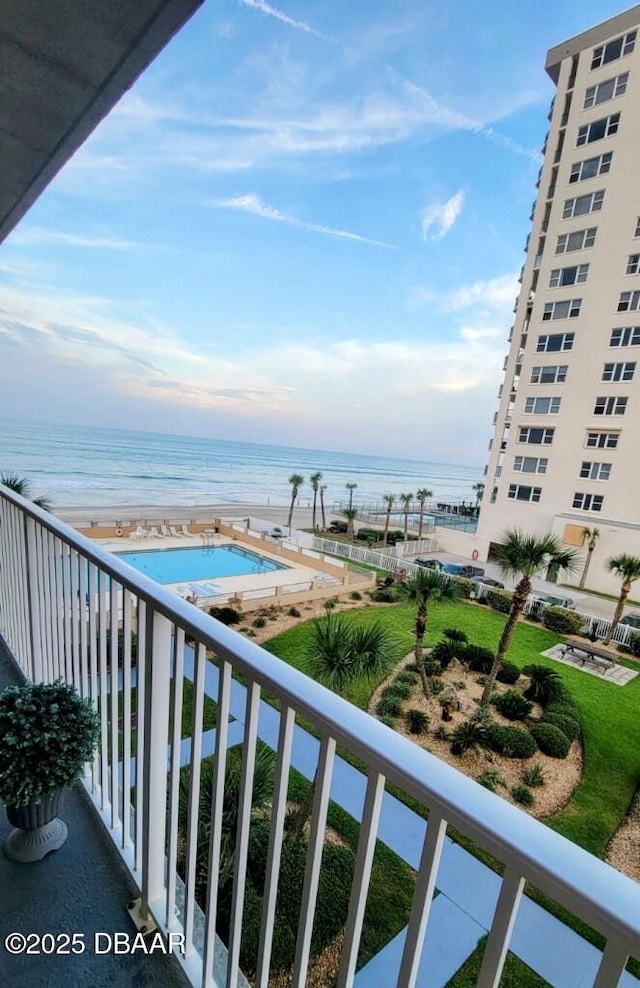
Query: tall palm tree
479 489
389 500
592 535
627 568
351 488
22 486
350 514
421 497
315 479
324 517
339 652
423 589
406 502
296 480
521 555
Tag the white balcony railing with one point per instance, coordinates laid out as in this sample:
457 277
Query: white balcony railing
63 602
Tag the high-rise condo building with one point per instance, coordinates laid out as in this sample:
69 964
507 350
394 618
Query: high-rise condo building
565 454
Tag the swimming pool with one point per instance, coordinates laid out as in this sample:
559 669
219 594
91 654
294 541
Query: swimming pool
202 563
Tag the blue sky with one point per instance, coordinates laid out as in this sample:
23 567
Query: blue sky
303 225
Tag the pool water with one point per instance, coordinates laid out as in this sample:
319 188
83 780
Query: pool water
202 563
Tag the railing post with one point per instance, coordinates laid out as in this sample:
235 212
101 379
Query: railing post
33 599
157 675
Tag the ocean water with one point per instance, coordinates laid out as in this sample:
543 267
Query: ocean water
94 467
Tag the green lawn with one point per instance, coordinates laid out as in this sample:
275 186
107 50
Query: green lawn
516 974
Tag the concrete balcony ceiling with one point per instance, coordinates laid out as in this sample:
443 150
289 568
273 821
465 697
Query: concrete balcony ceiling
63 66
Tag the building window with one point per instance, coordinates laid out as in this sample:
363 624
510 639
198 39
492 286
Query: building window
590 167
597 129
575 275
602 440
536 437
582 205
613 50
555 342
551 374
542 406
568 242
562 310
637 233
588 502
633 264
520 492
625 336
605 91
619 372
595 471
629 302
610 406
530 464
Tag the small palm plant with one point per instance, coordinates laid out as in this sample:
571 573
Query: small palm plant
543 683
22 486
389 500
479 491
296 480
590 536
451 647
421 497
626 568
426 587
350 514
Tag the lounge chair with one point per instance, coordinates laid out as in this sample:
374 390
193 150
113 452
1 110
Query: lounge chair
164 531
185 531
173 531
154 533
140 533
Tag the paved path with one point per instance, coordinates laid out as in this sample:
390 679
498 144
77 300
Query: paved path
468 889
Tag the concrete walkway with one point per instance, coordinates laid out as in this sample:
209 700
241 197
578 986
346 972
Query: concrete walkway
468 889
620 675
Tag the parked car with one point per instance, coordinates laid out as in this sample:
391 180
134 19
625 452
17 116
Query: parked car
633 619
553 601
430 563
461 569
488 581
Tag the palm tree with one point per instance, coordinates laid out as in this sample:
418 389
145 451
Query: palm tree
406 502
592 534
421 497
324 519
296 480
389 501
339 653
22 486
350 514
523 556
351 488
626 568
315 479
479 489
426 587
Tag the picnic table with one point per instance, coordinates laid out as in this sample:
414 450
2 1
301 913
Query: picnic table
587 651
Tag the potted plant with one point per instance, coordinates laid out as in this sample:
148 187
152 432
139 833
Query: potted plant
47 734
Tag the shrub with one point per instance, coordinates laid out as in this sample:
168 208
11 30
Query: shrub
417 721
543 683
293 612
522 795
443 653
412 666
330 603
465 587
490 780
512 742
568 725
339 527
226 615
384 595
388 721
508 673
468 735
500 600
513 705
634 644
436 686
454 635
551 740
565 707
406 676
389 706
402 690
562 621
478 658
533 776
431 668
355 595
259 622
367 534
441 733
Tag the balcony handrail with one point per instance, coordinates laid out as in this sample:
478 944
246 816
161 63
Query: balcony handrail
602 897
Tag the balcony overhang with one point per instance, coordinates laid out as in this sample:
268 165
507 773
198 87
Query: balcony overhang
63 66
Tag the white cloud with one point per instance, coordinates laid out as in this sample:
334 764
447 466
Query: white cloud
35 235
254 205
270 11
491 294
438 218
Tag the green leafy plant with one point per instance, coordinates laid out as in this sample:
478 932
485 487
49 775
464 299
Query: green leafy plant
500 600
562 621
513 705
491 779
567 724
551 740
533 776
402 690
478 658
355 595
441 733
48 733
384 595
226 615
436 686
512 742
543 683
522 795
259 622
467 736
417 721
406 676
389 706
509 673
464 586
293 612
449 648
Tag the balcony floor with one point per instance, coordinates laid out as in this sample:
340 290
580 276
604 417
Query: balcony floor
81 888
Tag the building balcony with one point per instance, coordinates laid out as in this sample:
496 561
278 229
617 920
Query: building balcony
70 610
